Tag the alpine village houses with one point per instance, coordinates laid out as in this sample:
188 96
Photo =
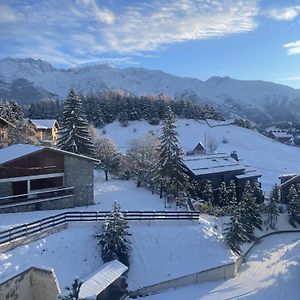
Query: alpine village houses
218 168
39 177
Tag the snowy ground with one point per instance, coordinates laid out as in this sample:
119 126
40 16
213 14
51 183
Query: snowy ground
272 271
270 157
168 250
72 253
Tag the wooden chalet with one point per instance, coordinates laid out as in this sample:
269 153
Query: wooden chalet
46 130
4 131
281 136
220 168
37 177
286 182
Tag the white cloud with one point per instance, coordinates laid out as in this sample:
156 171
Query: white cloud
284 14
83 29
7 14
293 47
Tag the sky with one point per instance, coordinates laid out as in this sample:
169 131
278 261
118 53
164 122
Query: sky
243 39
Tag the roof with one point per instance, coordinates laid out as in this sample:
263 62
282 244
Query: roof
282 134
43 123
16 151
101 279
211 163
290 181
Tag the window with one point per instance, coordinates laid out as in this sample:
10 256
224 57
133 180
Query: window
46 183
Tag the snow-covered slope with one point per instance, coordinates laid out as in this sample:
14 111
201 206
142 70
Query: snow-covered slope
28 80
270 157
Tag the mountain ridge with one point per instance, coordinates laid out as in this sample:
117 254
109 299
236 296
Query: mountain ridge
27 80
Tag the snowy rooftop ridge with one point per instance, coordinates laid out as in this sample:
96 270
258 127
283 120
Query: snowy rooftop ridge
13 152
101 279
43 123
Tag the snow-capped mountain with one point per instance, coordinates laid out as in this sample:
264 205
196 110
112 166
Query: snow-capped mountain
28 80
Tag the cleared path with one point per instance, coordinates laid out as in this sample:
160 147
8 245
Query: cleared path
271 272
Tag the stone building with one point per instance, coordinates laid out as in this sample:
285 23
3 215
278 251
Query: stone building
38 177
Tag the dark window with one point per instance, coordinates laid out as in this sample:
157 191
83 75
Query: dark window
46 183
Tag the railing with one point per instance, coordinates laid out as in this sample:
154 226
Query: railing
35 196
29 229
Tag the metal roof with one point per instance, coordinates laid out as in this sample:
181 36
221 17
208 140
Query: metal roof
101 279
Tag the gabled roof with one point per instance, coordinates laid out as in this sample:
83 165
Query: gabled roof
17 151
43 123
211 163
292 180
101 279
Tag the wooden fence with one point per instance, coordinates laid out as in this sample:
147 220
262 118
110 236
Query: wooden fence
29 229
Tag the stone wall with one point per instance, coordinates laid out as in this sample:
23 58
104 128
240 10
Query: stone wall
79 173
31 284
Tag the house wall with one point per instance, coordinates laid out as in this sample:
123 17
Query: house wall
32 284
79 173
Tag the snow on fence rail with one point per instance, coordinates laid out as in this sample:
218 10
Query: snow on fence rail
29 229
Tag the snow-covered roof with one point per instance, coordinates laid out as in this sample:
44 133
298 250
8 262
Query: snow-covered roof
101 279
18 150
15 151
211 163
43 123
282 134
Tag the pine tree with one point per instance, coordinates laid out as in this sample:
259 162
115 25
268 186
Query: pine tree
232 197
223 195
250 210
272 206
171 169
74 135
258 193
207 193
294 204
74 291
235 233
114 242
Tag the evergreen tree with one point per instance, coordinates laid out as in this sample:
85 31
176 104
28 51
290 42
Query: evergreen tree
232 197
258 193
171 169
235 233
74 291
223 195
250 210
114 242
294 204
74 135
272 206
208 194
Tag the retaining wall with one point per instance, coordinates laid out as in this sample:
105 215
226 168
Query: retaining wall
219 273
37 236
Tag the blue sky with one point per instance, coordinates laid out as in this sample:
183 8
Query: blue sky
244 39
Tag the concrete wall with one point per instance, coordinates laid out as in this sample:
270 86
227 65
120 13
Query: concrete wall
37 236
79 173
32 284
223 272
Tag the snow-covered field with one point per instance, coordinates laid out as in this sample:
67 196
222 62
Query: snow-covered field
272 271
270 157
160 250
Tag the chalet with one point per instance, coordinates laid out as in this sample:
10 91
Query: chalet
281 136
38 177
46 130
286 182
4 131
218 168
199 149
